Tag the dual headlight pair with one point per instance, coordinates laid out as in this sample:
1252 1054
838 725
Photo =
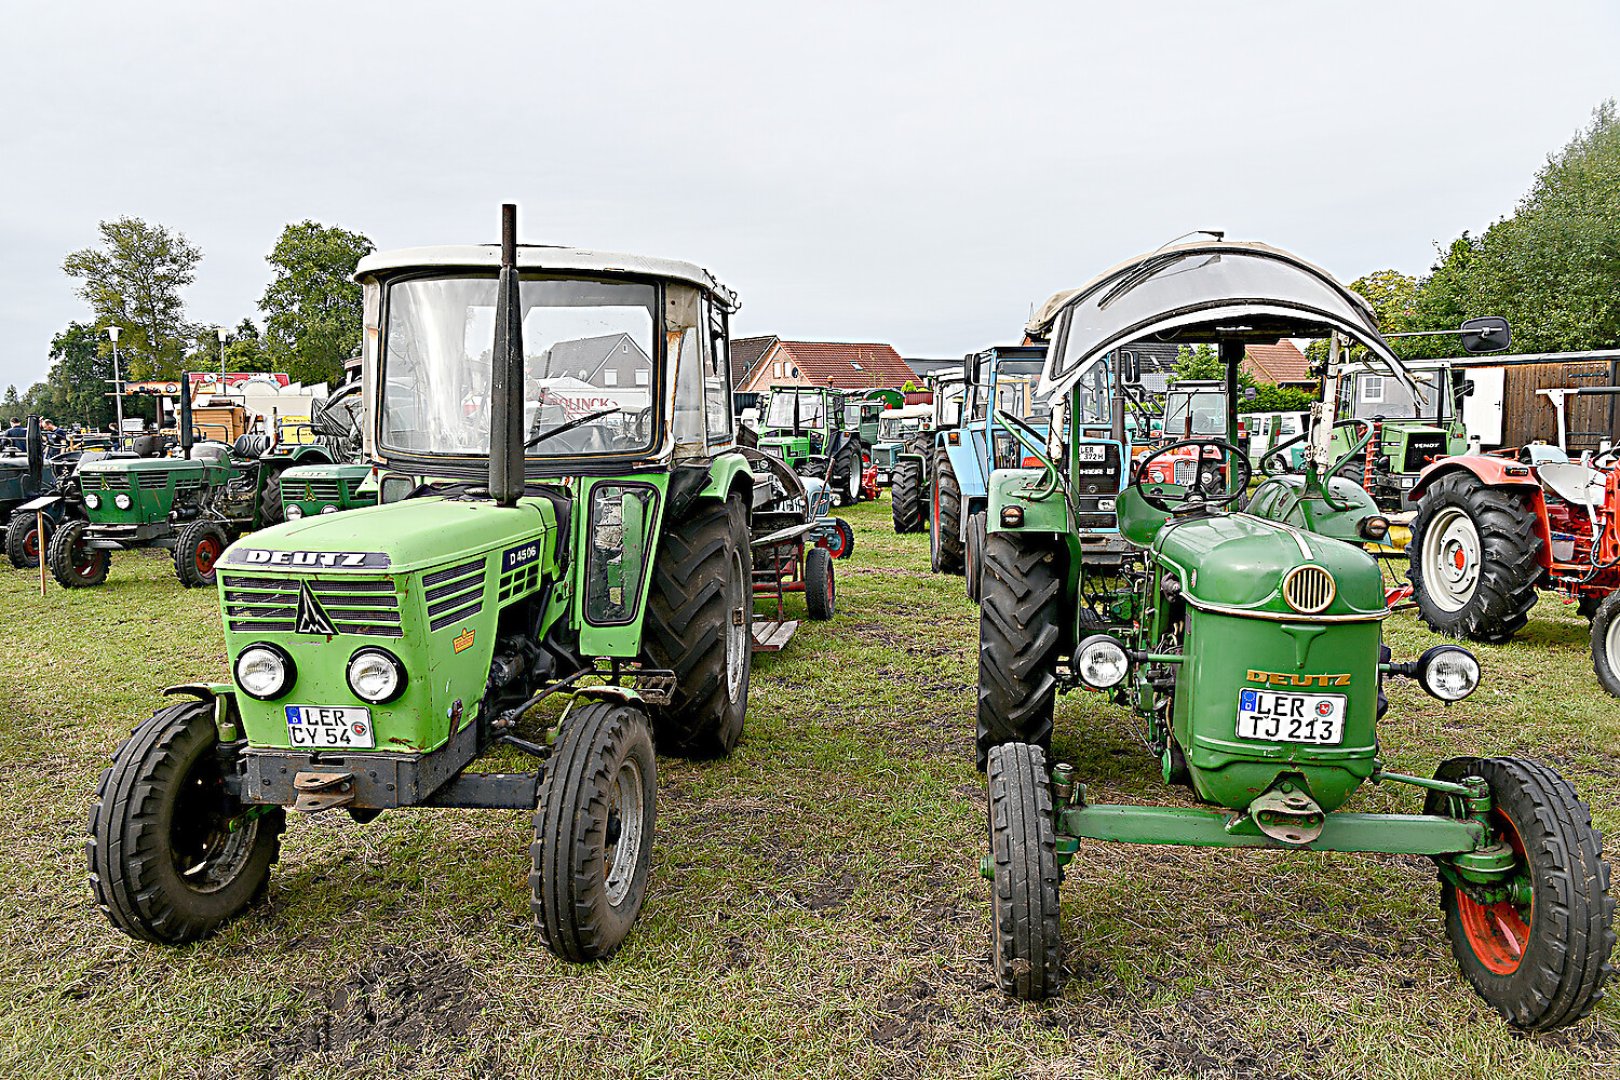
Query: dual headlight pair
266 671
294 512
122 501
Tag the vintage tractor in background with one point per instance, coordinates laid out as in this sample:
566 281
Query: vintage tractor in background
999 380
1492 530
598 560
29 477
1250 653
911 472
903 430
337 484
817 431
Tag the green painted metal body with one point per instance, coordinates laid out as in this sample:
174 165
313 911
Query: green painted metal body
1392 834
840 411
1291 500
326 488
150 483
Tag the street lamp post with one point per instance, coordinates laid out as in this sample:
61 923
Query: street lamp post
221 330
118 386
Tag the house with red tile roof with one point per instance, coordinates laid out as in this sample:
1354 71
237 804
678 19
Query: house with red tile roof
849 365
1281 363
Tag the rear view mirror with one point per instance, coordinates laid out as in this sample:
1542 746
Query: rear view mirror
1130 369
1250 393
1486 334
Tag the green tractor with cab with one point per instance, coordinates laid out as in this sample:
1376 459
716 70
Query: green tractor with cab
565 582
802 425
1248 651
911 480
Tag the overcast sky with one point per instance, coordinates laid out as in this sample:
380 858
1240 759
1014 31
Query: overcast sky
916 173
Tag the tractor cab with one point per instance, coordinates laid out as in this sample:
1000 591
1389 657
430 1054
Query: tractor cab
1411 426
558 570
817 431
900 430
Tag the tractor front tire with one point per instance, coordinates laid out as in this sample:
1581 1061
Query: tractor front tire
1025 939
271 512
846 475
1606 643
73 565
905 496
947 539
698 615
1475 559
172 854
1540 963
973 556
593 831
820 590
1021 607
23 543
196 554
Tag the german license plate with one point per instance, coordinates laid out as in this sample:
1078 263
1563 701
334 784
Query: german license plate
1277 716
330 726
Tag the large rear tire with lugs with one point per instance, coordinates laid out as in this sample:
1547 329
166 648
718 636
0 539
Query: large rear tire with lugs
1537 949
593 831
1026 941
1021 605
698 620
905 495
172 854
947 518
24 544
1475 559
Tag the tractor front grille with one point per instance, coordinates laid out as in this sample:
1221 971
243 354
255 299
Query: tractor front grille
1309 589
326 491
367 607
1186 472
1422 449
454 594
104 481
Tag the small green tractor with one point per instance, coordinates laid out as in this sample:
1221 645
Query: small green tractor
802 424
1250 654
560 582
193 501
329 487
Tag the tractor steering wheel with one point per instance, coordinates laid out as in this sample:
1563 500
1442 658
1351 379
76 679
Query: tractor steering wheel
1273 464
1201 494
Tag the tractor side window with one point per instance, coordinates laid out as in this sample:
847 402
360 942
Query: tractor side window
689 430
717 376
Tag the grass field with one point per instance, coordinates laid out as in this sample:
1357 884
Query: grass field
815 908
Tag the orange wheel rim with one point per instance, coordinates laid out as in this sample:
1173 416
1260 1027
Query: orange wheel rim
1499 933
31 544
207 552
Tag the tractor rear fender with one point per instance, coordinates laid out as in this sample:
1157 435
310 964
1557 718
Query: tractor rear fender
223 695
729 476
1019 489
1494 472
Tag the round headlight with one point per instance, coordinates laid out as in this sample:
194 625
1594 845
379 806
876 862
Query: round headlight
121 501
264 671
294 512
1448 672
1100 662
329 509
92 500
376 675
1374 527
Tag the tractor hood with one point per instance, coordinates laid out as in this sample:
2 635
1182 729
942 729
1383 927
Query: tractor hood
1200 292
142 465
398 537
1239 563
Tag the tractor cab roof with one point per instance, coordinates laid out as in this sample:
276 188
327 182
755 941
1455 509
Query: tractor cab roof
1206 291
542 258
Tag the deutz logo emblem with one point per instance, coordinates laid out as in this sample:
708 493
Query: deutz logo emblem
311 619
1284 678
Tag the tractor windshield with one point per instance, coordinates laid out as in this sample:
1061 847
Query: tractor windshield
779 413
588 349
1371 395
1016 384
1199 412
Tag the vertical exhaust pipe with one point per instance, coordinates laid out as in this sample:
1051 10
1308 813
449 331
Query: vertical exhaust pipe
35 446
186 432
506 457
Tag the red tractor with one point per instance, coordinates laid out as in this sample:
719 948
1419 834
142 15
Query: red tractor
1491 530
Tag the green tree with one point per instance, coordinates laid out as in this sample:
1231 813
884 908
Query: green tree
244 349
76 387
133 280
312 306
11 405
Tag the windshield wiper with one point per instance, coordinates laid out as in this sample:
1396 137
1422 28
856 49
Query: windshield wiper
571 425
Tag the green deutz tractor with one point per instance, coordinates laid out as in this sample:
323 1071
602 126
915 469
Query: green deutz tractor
1250 652
328 487
803 423
524 555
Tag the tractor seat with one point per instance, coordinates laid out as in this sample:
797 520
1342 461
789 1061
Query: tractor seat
215 452
1573 483
251 446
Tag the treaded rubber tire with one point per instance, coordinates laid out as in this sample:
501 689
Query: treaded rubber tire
973 557
271 512
568 893
820 588
846 538
1509 570
1020 636
1026 941
133 876
846 474
686 628
194 570
18 533
1606 660
947 518
59 555
1571 934
905 496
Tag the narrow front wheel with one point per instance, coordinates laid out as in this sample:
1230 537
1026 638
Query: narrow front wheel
1606 643
1026 942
